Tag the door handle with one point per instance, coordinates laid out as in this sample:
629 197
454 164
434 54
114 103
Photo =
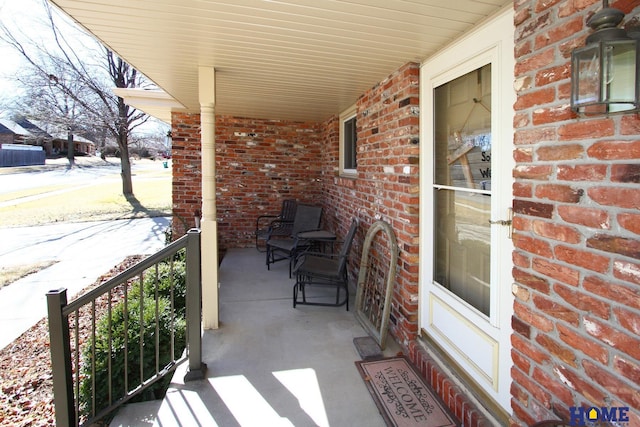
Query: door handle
501 222
507 222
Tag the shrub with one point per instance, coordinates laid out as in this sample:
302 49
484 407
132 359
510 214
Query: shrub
114 329
165 280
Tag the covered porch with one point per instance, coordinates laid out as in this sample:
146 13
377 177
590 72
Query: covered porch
268 363
271 99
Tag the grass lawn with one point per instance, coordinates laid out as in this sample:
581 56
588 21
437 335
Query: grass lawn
98 200
9 274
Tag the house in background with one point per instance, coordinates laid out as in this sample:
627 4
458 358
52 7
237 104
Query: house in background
15 146
82 146
12 133
25 132
517 292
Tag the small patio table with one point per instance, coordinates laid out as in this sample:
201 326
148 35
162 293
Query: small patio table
319 237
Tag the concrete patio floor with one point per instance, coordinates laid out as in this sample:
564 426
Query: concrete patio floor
268 364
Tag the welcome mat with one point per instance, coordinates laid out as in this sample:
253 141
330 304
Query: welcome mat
402 396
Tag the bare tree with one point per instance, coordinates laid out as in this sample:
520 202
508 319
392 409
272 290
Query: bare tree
77 77
43 101
124 76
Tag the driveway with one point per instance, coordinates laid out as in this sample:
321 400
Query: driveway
84 251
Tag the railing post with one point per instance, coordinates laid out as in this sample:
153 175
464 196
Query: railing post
194 307
60 359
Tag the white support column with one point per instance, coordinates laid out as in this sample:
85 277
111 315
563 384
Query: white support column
208 225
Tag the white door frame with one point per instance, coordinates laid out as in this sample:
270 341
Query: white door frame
492 42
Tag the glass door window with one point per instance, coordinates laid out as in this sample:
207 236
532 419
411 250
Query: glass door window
462 187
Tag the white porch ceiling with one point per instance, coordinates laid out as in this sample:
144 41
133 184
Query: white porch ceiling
291 59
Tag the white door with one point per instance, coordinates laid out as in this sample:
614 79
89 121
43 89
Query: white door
466 167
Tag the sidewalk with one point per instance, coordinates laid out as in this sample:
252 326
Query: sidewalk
83 251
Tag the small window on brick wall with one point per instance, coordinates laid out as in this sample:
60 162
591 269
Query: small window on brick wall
348 139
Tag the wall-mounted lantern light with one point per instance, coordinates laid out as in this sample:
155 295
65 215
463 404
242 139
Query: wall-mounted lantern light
604 73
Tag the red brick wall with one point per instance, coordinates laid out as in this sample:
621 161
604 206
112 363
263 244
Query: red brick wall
186 169
386 186
576 202
258 164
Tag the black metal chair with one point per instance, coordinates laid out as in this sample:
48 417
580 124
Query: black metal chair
285 247
275 225
324 270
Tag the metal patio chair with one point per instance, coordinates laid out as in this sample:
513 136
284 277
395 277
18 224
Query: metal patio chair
324 270
275 225
285 247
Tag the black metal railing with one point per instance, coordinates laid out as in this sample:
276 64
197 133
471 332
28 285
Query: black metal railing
121 338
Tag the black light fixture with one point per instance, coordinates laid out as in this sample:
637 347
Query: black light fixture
604 73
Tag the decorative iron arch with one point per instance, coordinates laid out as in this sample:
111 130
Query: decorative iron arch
374 293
